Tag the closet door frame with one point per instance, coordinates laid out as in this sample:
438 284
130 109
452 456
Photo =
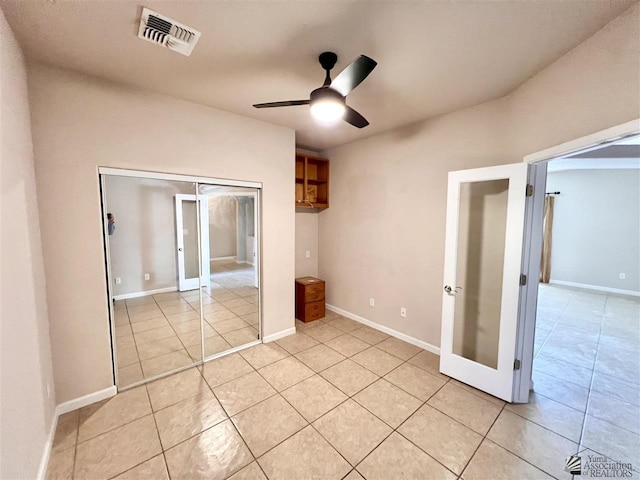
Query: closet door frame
197 180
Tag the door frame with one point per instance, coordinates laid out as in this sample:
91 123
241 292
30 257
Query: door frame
533 235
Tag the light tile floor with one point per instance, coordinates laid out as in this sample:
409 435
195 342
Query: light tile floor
337 400
587 371
160 333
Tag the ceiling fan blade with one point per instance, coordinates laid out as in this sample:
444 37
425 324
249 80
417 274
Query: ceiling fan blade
354 118
353 75
288 103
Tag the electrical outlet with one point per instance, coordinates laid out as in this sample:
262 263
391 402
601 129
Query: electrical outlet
403 312
623 276
307 254
118 280
146 276
372 302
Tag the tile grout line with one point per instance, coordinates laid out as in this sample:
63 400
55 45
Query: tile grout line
590 389
280 394
75 448
586 408
396 430
233 424
350 397
289 355
484 437
164 315
211 389
152 413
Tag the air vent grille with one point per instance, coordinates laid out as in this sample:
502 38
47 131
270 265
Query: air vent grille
168 33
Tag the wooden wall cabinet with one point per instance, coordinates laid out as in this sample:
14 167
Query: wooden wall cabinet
312 182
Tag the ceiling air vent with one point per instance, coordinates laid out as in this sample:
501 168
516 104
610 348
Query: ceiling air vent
168 33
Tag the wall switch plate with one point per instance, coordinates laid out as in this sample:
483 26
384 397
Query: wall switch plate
623 276
403 312
146 276
307 254
118 280
372 302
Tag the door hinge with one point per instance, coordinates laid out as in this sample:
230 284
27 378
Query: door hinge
529 190
523 279
516 364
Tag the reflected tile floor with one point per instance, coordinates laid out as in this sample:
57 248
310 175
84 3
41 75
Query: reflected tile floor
302 408
160 333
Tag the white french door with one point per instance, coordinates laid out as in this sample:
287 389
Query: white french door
482 276
192 226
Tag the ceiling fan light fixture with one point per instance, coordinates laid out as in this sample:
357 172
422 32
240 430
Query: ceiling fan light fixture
327 111
327 105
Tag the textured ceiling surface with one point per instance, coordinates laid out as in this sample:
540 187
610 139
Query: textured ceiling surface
433 57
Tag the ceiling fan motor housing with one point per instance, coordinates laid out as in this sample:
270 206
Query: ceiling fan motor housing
326 94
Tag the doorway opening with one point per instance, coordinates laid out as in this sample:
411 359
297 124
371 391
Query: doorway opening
585 355
586 362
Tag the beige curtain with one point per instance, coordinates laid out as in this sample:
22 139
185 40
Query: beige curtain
545 263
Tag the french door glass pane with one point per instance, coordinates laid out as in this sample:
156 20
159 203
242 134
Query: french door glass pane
190 238
480 260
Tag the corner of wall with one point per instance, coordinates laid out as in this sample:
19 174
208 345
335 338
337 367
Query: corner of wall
27 387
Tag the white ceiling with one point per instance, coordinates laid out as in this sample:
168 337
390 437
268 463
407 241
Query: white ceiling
433 56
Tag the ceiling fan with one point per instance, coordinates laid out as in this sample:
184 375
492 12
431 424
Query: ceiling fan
328 103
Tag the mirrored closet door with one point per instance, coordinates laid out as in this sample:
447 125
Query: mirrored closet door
231 300
183 270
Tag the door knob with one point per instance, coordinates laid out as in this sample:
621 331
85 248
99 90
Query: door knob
451 291
180 249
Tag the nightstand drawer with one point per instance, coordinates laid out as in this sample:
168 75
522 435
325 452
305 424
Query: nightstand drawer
313 311
313 293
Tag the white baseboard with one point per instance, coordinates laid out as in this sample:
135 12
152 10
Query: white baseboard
220 259
279 335
46 454
124 296
387 330
598 288
67 407
80 402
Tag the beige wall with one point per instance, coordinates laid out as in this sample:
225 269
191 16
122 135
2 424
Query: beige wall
383 236
306 240
80 123
222 226
596 227
145 237
26 408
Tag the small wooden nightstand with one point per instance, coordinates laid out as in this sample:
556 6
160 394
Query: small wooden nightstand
309 299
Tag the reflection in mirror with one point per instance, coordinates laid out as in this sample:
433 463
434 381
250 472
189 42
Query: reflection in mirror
231 300
157 325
